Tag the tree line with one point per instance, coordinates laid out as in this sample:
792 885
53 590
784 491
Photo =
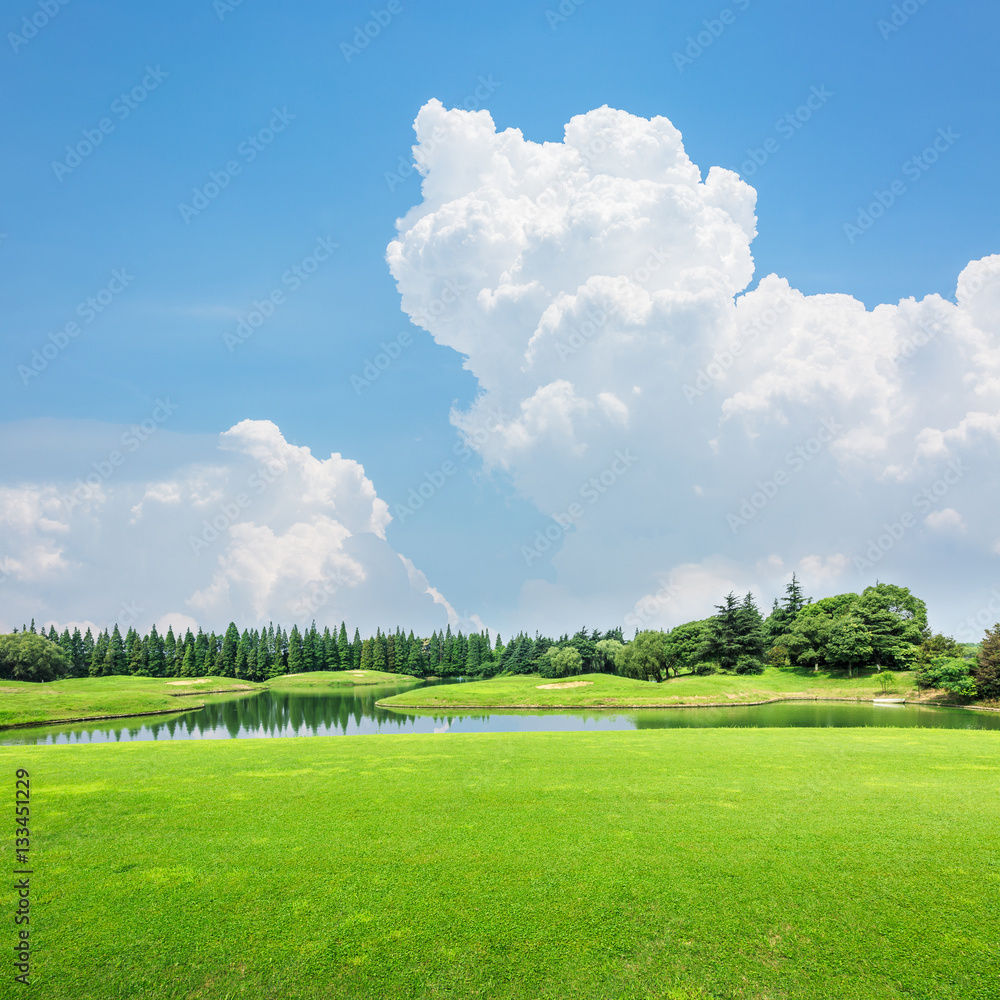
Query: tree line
884 627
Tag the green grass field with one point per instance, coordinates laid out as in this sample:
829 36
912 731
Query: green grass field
23 702
26 703
609 691
318 679
767 864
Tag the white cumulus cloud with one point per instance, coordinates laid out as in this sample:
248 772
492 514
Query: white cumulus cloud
600 290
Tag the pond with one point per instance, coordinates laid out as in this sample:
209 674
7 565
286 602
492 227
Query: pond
352 711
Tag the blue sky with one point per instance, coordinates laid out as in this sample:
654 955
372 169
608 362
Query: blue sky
220 76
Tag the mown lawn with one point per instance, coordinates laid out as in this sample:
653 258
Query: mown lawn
97 697
318 679
23 702
609 691
822 863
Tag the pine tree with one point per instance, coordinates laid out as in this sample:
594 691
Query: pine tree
356 649
366 655
378 652
188 664
170 654
311 659
88 650
229 643
114 660
474 656
415 659
157 659
794 600
295 657
138 664
390 654
96 665
343 648
242 667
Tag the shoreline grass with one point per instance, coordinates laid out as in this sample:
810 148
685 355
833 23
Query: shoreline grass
91 699
666 864
687 691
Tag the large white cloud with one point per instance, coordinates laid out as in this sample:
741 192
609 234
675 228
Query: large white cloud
257 530
599 289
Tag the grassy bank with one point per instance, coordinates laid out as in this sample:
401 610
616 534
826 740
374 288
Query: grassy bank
318 679
659 864
608 691
24 703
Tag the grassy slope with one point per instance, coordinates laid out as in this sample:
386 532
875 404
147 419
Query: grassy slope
660 864
608 691
23 703
336 678
95 697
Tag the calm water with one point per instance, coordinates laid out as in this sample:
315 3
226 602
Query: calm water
353 711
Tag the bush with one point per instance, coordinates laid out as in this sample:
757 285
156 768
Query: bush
949 673
25 656
749 665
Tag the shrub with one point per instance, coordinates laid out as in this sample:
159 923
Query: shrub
25 656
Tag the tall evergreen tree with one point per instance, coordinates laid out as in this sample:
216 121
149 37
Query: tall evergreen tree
366 655
356 650
157 659
171 661
295 657
114 658
378 651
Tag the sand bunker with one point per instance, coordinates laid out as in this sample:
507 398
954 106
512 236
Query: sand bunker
567 684
204 680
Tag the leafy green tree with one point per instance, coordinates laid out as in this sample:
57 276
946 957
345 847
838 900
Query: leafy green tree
606 653
986 672
25 656
949 673
645 657
685 647
560 661
849 644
